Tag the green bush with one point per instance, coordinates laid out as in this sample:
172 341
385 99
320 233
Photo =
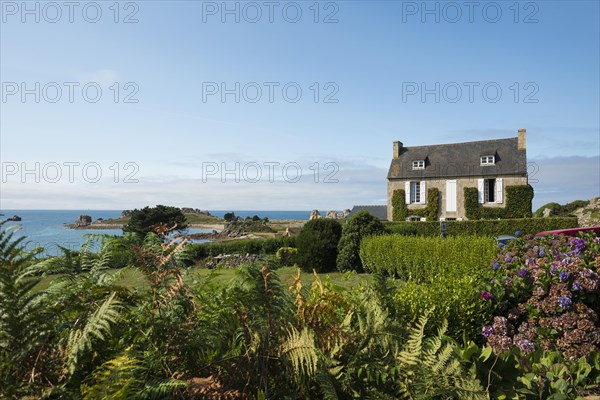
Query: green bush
360 225
287 256
317 245
445 274
556 210
424 259
198 251
482 227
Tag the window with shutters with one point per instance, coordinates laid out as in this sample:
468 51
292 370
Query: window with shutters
489 190
415 192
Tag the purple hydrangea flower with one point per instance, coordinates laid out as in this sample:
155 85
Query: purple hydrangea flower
564 276
518 233
522 272
486 295
553 270
508 258
564 302
487 331
577 286
542 253
526 346
579 243
496 265
500 245
508 282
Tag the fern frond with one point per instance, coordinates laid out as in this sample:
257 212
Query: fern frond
97 328
301 351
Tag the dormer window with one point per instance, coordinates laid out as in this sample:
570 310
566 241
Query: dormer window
488 160
418 164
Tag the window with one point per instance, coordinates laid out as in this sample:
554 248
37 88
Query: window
419 164
415 192
489 190
488 160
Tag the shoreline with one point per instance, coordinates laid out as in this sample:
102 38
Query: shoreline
93 226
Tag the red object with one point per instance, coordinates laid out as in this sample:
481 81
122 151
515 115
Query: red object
571 231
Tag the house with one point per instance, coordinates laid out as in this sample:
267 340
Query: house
379 212
450 173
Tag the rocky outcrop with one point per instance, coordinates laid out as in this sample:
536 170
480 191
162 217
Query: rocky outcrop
188 210
331 214
590 214
314 214
82 220
15 218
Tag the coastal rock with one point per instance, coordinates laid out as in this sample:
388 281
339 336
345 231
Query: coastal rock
331 214
189 210
15 218
314 214
83 220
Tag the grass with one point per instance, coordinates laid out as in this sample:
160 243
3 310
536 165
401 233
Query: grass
195 276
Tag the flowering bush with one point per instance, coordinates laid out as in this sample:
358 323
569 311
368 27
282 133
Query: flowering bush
545 291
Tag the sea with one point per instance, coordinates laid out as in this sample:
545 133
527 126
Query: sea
47 228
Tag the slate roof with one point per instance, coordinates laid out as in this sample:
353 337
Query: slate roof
458 160
378 211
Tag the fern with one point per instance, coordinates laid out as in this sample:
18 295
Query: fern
97 328
24 320
300 349
430 369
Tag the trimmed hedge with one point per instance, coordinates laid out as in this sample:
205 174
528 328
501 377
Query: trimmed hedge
425 259
518 204
400 210
483 227
197 251
448 274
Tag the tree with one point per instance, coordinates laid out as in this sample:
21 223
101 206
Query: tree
317 245
229 217
360 225
145 220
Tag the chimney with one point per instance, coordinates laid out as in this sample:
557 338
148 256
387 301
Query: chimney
397 149
521 142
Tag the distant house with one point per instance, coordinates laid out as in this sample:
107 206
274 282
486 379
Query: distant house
377 211
490 166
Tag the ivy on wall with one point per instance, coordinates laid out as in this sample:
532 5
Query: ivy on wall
518 204
400 211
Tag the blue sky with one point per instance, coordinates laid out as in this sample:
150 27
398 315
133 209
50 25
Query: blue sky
361 80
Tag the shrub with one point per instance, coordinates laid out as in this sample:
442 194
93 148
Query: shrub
287 256
424 259
556 210
483 227
360 225
547 289
317 245
198 251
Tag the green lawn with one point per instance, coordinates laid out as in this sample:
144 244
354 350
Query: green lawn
196 276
